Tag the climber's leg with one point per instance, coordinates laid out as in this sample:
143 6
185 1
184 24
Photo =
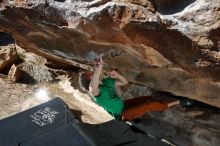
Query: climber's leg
138 110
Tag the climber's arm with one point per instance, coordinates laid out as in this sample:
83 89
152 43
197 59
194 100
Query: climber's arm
94 84
120 79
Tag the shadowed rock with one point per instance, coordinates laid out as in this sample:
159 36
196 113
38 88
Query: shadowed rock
6 39
8 55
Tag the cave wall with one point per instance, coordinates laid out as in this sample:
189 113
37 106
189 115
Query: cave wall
167 46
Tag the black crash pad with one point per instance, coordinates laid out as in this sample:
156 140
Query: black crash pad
65 135
34 122
52 124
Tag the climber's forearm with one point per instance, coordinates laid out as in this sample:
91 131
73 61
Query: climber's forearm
94 84
121 80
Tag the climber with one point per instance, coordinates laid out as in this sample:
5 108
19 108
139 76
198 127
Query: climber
103 91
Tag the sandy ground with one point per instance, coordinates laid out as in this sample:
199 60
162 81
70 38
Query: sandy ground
17 97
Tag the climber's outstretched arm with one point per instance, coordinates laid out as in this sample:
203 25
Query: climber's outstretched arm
94 84
120 79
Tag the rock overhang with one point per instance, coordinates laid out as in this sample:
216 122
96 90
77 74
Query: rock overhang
152 49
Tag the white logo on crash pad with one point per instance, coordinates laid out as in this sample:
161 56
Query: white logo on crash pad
44 116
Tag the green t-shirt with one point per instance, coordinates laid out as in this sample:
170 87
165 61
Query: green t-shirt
108 98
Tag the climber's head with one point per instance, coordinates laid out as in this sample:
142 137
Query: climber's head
84 80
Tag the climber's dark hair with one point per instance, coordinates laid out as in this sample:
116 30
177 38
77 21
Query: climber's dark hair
84 81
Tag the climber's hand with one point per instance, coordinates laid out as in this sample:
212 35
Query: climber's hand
113 74
120 79
99 62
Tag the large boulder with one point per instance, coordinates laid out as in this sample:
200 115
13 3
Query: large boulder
168 45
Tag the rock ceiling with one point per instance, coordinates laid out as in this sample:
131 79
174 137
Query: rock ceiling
168 45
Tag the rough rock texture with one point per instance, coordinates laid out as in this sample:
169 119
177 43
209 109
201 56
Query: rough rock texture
195 126
34 65
134 90
167 45
8 55
14 73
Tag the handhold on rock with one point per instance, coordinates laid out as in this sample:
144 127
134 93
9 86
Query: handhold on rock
15 73
8 55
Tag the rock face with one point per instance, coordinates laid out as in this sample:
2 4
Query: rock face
184 127
7 56
167 45
35 67
15 73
